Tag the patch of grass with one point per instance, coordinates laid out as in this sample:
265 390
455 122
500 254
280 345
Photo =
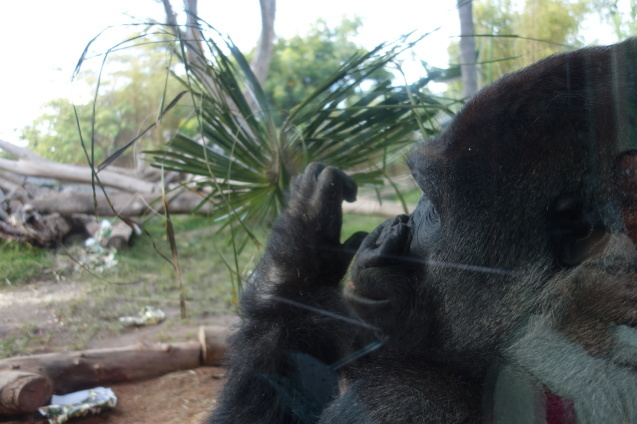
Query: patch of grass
412 196
354 223
27 338
20 262
142 278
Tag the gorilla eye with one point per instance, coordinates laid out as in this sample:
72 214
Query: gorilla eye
432 216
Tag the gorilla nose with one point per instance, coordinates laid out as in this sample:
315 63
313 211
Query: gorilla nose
386 243
393 230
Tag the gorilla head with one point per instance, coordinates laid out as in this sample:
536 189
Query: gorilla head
516 191
516 259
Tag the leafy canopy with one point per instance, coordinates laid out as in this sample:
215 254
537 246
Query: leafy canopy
302 63
130 93
512 35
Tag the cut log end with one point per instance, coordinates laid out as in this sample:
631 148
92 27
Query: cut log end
22 392
213 342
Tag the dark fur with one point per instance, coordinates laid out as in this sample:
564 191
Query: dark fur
517 196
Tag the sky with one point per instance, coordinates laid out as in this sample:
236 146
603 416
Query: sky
42 40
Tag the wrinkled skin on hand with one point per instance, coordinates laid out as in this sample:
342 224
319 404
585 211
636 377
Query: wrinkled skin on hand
305 240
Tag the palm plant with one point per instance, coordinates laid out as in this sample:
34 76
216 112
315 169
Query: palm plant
245 160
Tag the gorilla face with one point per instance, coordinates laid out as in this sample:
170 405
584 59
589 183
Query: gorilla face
433 270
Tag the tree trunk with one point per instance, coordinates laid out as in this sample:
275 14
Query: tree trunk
468 55
261 62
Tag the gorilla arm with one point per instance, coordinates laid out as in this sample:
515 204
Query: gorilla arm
573 349
292 311
600 390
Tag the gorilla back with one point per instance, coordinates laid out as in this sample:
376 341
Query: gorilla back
508 295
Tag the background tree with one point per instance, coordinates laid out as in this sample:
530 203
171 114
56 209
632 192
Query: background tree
130 95
193 42
468 55
621 17
511 35
302 63
261 61
498 51
553 25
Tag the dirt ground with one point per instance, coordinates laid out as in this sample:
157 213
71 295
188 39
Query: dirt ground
180 397
183 397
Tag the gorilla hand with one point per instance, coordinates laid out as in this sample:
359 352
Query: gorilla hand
292 310
382 257
304 249
304 245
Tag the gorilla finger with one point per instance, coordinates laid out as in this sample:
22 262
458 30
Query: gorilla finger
389 230
337 178
349 248
348 186
378 235
353 243
303 185
328 197
370 258
370 241
295 185
313 170
386 244
350 189
395 241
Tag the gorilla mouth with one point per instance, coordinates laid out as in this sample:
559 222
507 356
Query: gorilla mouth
354 295
383 247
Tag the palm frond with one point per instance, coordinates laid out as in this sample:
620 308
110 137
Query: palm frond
245 162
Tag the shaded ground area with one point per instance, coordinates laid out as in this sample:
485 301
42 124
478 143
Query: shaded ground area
184 397
44 317
60 307
48 316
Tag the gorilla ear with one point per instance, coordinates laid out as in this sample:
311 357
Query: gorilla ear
575 234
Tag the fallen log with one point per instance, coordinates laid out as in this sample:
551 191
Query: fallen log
26 377
135 197
126 204
27 224
49 216
34 165
120 236
71 371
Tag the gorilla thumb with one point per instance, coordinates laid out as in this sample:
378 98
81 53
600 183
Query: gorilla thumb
351 245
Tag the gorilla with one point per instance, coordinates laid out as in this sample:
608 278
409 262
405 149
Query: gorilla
508 295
